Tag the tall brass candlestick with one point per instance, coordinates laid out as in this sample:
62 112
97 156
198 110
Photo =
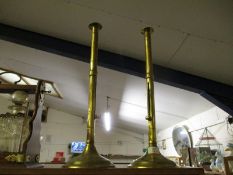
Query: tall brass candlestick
90 157
152 158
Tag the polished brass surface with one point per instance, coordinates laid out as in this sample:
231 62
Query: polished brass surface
152 158
90 157
19 158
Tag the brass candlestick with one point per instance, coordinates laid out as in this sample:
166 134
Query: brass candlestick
90 157
152 158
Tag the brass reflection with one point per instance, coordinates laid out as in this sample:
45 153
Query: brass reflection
90 157
152 158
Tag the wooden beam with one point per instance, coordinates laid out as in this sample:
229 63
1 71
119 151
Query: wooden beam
10 88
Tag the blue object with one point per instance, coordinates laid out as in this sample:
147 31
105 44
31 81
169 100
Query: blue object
77 147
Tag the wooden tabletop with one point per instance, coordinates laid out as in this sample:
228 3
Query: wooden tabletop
113 171
214 173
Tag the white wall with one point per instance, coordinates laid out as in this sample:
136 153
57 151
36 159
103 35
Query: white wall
62 128
211 117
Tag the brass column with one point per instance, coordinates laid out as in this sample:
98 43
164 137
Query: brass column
90 157
152 158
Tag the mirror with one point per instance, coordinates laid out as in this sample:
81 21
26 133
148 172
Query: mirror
181 139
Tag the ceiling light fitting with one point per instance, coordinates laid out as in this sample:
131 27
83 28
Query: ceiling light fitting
107 117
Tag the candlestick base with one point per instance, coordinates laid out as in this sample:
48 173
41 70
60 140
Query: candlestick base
89 159
152 160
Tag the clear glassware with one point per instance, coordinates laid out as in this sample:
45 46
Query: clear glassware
13 125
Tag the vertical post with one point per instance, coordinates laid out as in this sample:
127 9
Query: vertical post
94 27
152 158
150 88
90 158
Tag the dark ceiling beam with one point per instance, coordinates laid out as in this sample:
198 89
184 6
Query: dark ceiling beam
225 104
123 64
